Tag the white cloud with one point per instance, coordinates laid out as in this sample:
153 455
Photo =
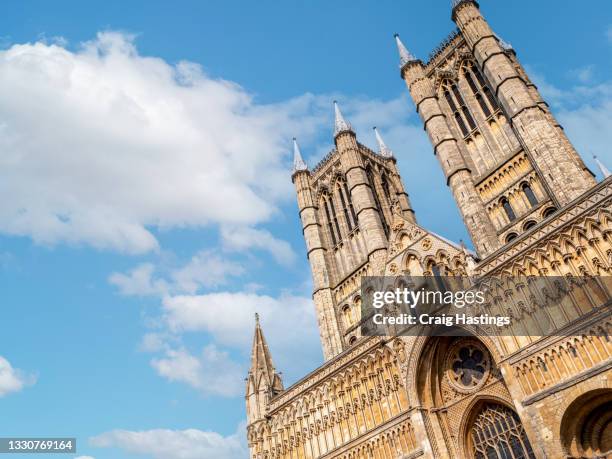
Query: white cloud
228 316
584 74
12 379
288 323
176 444
205 269
102 145
244 239
213 372
139 281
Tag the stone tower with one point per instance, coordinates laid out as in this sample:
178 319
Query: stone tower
532 208
506 159
346 205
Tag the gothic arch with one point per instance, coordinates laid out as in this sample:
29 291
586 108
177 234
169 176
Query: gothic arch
417 346
471 412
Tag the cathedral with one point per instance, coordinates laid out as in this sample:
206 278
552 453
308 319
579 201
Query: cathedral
532 209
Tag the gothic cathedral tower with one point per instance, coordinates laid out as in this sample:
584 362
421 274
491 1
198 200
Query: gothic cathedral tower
505 157
532 209
346 204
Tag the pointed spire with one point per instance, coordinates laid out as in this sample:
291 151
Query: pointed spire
261 359
340 125
602 168
383 150
298 165
405 55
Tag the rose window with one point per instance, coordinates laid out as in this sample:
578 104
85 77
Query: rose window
468 365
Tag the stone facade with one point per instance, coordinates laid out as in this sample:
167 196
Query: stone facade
531 207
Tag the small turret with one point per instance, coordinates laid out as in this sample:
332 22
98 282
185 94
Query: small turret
298 162
340 124
405 56
383 150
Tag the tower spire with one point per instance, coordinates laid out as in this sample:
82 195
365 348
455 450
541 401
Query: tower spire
263 382
602 168
298 165
261 359
383 150
340 124
405 55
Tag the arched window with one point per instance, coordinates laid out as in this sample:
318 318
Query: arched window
497 433
348 218
529 224
549 211
484 87
455 101
379 208
332 221
470 79
350 203
511 236
508 209
529 194
385 186
437 274
348 315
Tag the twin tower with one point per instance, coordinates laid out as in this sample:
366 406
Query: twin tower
506 160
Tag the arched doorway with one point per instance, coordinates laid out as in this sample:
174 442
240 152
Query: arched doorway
466 406
586 427
496 432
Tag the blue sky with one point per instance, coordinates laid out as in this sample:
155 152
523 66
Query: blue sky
144 170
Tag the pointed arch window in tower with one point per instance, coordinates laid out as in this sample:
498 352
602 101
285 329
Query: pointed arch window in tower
330 225
508 209
385 186
472 84
379 208
350 203
461 113
484 87
335 218
464 109
345 209
529 194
